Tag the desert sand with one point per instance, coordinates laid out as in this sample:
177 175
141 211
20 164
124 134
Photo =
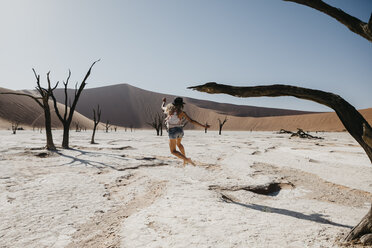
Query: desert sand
125 105
129 191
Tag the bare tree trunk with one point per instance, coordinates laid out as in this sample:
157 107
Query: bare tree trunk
43 102
48 127
96 119
157 123
364 227
68 113
107 126
15 126
66 136
353 121
94 133
221 123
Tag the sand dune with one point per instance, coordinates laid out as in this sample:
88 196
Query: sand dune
125 105
25 110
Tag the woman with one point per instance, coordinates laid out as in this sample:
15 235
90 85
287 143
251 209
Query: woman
175 116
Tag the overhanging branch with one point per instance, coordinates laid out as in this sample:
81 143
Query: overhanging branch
349 116
354 24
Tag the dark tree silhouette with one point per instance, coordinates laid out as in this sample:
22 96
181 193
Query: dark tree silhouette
354 24
206 127
156 121
43 102
107 126
220 124
353 121
77 127
365 30
96 119
69 112
15 126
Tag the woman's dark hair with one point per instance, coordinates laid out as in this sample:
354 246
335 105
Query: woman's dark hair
178 103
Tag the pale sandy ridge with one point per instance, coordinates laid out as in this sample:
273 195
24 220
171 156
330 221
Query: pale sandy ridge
128 105
24 109
128 191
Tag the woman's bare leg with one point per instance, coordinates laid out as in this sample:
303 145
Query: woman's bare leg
181 148
172 147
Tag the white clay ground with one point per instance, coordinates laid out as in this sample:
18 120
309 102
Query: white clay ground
129 191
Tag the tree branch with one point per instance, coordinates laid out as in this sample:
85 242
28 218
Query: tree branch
36 99
78 93
56 108
349 116
354 24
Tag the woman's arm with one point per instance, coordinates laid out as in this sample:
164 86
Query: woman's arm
163 104
193 121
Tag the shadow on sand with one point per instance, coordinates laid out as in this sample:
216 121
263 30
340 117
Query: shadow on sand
101 165
319 218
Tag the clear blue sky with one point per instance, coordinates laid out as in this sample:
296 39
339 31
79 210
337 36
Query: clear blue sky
168 45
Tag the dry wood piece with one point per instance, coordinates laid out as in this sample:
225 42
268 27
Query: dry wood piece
284 131
300 133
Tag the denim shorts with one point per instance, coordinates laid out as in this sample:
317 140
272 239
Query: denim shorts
175 132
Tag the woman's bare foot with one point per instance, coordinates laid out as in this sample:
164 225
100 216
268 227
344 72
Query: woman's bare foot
189 161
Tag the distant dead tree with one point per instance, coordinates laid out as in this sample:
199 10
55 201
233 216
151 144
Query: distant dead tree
206 127
131 127
77 127
15 126
353 121
107 126
43 102
69 112
156 121
96 119
115 128
221 123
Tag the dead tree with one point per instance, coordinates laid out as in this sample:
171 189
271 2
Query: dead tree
206 127
221 123
77 127
354 24
107 126
96 119
15 126
300 133
69 112
156 121
353 121
43 102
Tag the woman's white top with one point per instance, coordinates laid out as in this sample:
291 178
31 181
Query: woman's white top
173 121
